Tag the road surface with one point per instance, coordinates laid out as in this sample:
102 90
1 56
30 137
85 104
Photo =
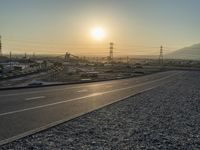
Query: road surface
26 111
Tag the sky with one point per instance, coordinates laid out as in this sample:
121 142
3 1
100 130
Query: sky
137 27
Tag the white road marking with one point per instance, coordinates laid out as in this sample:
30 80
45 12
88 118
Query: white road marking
34 98
83 97
81 91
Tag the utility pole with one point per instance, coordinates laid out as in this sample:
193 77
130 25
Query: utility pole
33 55
127 60
25 60
25 55
10 59
161 56
0 47
111 51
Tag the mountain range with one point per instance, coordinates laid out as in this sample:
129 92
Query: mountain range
191 52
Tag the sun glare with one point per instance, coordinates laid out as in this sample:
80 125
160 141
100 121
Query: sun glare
98 33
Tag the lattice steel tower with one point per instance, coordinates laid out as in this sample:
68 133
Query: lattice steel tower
161 56
111 51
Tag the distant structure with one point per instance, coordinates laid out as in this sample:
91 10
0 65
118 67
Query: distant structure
161 56
127 60
33 55
111 51
70 57
10 59
0 47
25 55
67 57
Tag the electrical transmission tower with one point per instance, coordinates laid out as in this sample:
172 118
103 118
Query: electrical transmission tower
161 56
0 47
111 51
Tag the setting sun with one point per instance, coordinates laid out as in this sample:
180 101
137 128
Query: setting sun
98 33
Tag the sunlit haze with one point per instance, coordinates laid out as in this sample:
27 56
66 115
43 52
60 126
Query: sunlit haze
98 33
86 27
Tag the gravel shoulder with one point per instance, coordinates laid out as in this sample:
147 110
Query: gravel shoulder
167 117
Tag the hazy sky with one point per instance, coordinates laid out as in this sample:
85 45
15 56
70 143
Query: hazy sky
135 26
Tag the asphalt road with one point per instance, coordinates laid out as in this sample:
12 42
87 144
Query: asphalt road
26 111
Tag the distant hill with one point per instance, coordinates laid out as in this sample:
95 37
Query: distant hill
191 52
